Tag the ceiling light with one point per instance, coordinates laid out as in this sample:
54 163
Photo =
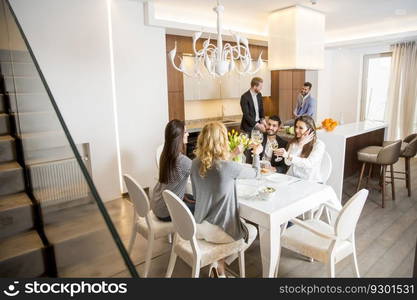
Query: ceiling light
219 59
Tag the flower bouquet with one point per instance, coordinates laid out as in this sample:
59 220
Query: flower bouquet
238 143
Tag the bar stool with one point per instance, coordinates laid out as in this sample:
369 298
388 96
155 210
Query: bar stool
408 151
386 155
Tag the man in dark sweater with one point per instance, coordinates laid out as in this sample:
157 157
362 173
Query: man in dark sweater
252 107
272 128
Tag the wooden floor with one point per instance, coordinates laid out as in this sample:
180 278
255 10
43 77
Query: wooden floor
385 241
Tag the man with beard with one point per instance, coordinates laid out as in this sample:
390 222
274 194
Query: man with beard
270 135
253 116
306 104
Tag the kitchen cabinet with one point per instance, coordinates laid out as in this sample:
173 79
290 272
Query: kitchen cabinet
207 87
231 85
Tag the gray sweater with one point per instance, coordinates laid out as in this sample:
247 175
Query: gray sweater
215 194
177 185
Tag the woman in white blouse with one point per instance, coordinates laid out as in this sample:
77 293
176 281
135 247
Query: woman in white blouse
305 151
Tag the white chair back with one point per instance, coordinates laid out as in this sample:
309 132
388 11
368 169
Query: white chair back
138 196
158 154
326 167
181 216
349 215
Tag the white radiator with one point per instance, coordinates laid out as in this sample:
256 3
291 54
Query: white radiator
58 182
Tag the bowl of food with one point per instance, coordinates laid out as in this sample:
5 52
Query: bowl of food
266 192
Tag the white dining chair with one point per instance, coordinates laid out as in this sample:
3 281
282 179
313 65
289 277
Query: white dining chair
326 243
144 220
158 154
325 171
196 253
326 167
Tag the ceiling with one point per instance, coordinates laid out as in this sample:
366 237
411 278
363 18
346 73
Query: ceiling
344 18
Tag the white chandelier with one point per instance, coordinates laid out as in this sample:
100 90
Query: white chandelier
218 60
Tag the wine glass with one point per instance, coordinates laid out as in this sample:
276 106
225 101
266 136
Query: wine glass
254 131
257 137
275 146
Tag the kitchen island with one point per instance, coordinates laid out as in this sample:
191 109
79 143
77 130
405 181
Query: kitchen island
343 143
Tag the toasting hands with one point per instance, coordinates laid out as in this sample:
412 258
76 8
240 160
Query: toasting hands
281 152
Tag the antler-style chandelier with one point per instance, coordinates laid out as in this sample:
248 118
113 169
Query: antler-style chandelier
219 59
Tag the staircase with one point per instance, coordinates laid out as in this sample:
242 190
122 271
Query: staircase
50 223
21 248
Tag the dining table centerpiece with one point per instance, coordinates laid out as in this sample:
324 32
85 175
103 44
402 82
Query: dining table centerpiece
238 143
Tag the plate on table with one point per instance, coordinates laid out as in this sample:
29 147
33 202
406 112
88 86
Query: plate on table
280 178
246 191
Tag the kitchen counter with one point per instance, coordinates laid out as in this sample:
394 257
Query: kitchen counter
197 125
343 143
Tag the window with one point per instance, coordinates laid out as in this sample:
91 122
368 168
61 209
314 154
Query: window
376 72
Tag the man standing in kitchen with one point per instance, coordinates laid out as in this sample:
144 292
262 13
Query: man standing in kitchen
252 107
306 104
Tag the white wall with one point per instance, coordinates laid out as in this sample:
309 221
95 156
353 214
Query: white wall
71 42
339 84
141 89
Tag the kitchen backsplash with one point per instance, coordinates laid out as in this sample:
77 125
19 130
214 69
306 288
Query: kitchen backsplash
204 109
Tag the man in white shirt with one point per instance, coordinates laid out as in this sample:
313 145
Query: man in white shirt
252 107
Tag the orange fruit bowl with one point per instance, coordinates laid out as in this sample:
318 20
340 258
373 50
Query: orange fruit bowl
329 124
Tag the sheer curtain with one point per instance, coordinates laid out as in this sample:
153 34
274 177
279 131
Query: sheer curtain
400 111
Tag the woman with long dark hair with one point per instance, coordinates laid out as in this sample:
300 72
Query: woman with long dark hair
305 151
174 170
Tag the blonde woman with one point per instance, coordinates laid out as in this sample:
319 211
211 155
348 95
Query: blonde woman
305 151
213 177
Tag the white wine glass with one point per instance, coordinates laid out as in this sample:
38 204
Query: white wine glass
275 146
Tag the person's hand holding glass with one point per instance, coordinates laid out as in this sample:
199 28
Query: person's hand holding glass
275 147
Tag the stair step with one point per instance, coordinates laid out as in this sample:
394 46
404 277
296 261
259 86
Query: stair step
41 121
11 178
17 55
21 255
7 149
43 140
4 124
2 103
24 84
50 154
16 214
18 69
30 102
80 234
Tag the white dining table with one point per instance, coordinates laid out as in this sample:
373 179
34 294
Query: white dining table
292 198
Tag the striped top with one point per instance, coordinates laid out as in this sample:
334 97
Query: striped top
176 184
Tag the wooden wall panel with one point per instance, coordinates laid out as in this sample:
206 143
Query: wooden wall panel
176 79
274 94
285 104
176 105
285 86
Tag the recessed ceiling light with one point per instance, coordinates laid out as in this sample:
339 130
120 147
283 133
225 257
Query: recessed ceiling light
400 12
